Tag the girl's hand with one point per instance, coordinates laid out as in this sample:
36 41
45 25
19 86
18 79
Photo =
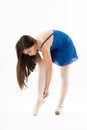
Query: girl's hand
46 93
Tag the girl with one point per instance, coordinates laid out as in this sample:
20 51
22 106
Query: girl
56 47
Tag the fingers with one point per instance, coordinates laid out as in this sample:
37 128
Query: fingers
45 95
46 92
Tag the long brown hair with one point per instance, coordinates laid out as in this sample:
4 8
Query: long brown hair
25 64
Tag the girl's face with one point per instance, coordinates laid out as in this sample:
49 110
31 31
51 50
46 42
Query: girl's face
30 51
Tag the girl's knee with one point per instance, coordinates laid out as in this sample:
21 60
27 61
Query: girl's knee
64 76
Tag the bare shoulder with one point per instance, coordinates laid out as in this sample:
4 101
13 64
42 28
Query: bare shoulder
42 36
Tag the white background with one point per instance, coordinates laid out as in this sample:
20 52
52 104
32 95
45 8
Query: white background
31 17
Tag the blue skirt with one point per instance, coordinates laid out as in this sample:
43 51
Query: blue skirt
65 54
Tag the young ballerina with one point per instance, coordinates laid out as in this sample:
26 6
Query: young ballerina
56 47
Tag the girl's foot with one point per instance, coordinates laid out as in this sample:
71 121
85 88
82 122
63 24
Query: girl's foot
37 106
58 110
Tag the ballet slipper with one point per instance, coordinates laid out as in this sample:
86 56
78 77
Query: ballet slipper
37 106
58 110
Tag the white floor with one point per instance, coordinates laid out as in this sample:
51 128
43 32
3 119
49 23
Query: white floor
45 121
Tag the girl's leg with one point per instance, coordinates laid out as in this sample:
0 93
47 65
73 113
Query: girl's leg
41 87
64 78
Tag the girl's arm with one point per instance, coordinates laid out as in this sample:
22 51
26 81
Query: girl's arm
48 62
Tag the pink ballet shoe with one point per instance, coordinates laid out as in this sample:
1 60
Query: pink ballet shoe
58 110
37 106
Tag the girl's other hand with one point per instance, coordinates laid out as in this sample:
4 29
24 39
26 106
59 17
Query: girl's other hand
46 93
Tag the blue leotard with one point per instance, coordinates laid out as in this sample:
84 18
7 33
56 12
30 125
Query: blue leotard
63 51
